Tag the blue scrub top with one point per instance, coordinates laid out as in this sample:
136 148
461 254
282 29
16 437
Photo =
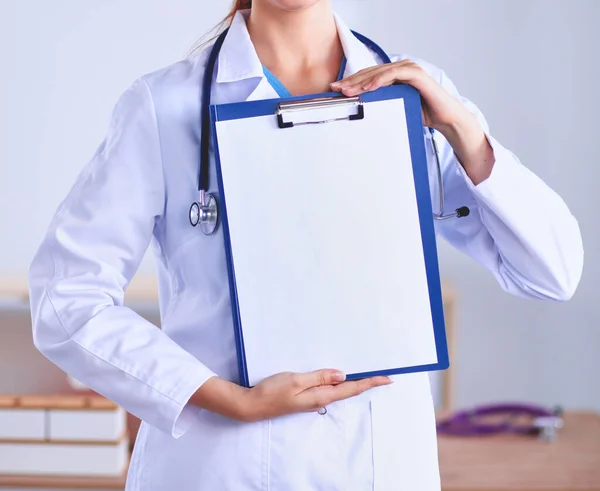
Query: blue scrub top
280 88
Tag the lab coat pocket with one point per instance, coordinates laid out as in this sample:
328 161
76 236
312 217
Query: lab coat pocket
199 265
185 264
178 263
404 436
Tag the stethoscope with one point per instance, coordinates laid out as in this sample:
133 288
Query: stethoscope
205 212
543 423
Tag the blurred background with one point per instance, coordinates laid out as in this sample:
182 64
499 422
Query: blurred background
530 65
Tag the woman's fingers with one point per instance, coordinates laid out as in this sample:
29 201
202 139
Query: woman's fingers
318 378
383 79
379 76
352 79
317 397
366 72
356 387
356 80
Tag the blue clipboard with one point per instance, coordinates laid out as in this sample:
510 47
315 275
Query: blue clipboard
412 104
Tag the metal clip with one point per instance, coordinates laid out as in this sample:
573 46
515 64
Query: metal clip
294 107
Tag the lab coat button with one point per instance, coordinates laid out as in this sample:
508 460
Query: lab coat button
323 411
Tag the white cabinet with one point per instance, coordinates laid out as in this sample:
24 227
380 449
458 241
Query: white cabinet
62 436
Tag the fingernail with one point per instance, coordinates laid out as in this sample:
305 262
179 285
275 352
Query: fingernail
367 86
336 84
339 376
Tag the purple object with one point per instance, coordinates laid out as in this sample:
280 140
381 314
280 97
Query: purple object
468 423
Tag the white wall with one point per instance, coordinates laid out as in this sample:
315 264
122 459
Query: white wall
527 63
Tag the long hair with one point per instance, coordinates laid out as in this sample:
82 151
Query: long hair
225 23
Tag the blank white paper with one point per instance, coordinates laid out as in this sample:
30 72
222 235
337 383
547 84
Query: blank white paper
326 244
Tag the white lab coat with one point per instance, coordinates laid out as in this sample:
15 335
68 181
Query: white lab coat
137 190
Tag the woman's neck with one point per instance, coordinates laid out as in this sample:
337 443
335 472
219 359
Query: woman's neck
301 47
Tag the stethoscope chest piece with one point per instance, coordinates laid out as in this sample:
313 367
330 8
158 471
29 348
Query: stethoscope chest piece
205 214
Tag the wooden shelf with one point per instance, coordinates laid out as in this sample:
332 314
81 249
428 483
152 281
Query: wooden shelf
49 482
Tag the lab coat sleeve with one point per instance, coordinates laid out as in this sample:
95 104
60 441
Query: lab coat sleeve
91 251
519 228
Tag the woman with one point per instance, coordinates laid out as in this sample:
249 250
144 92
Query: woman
201 431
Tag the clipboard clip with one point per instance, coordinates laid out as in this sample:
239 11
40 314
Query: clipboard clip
318 105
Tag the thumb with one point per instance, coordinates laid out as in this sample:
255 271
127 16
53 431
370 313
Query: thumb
321 377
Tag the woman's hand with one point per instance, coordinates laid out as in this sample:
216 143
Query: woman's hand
284 393
441 111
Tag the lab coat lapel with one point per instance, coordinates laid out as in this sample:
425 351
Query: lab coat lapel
238 59
358 56
239 63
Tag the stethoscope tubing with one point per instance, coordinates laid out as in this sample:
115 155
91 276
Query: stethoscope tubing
468 422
